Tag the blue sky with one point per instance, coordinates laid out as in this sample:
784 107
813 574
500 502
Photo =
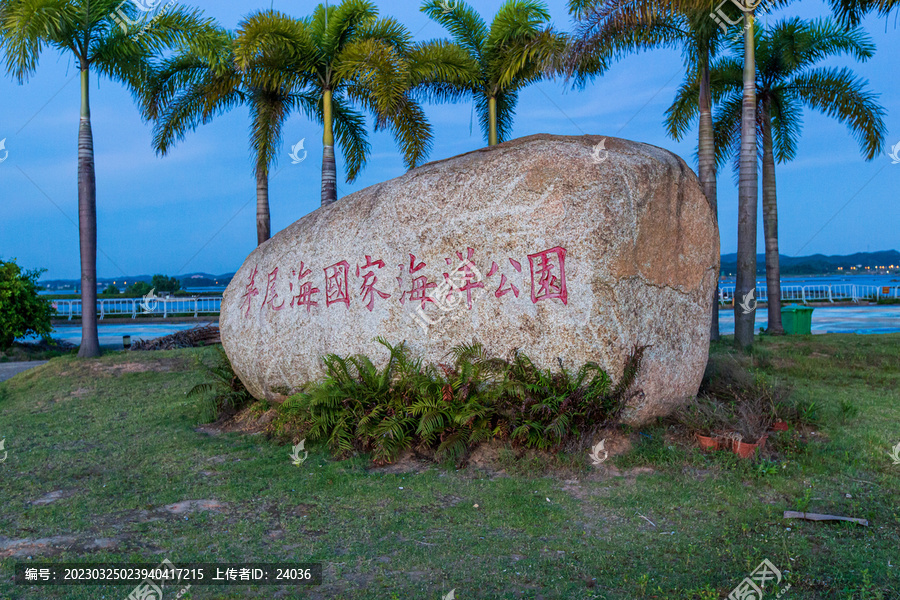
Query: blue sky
194 210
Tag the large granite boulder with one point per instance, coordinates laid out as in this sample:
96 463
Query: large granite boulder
578 248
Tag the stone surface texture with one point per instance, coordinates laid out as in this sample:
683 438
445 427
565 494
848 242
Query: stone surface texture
641 256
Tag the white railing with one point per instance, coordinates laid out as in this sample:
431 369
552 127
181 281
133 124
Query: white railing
211 305
845 292
132 307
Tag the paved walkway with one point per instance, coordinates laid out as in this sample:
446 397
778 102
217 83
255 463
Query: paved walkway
9 369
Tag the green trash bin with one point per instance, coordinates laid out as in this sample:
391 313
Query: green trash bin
796 319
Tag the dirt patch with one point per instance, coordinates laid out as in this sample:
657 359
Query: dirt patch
162 365
302 510
629 474
614 443
448 500
605 473
53 497
178 510
407 462
189 506
52 546
698 474
248 421
486 456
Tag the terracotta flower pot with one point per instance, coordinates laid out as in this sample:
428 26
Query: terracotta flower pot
779 426
745 450
706 442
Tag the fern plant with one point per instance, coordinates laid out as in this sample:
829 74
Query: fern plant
449 409
455 404
224 392
546 409
360 407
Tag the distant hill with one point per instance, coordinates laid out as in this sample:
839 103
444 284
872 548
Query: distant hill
819 264
190 280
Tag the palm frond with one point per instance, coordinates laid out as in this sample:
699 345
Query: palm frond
837 93
344 22
465 25
351 136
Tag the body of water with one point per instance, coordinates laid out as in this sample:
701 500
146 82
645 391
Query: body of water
111 335
833 319
876 280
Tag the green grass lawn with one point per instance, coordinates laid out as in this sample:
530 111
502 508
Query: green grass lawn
115 437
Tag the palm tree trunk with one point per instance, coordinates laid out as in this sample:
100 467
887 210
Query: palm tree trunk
87 224
329 169
748 191
770 226
707 162
263 219
492 121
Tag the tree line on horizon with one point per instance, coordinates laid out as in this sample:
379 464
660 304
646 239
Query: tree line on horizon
345 62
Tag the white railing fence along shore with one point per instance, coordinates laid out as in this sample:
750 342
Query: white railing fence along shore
211 305
132 307
845 292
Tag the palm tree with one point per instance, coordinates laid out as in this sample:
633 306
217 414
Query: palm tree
786 81
202 81
613 28
509 56
748 192
340 58
119 49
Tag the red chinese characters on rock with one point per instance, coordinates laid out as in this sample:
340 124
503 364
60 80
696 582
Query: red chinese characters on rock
249 292
548 282
548 275
336 289
420 285
270 289
501 290
471 278
367 289
305 289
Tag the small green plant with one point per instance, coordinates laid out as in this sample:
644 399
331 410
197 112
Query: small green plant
766 468
224 393
868 590
847 411
803 502
807 412
642 582
707 592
